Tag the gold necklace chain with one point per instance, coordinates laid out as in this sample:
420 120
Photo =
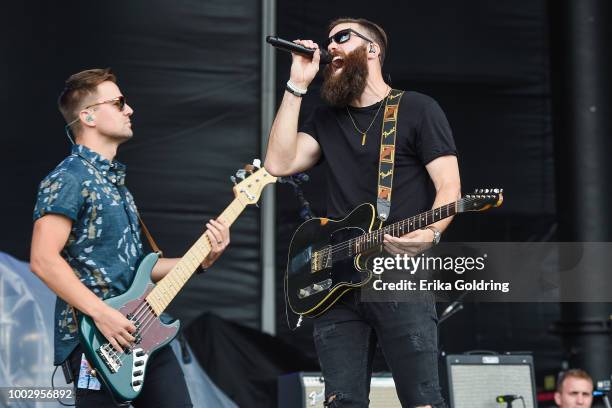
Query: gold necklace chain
362 133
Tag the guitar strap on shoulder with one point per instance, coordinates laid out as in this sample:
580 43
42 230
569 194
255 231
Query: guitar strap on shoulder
387 154
150 237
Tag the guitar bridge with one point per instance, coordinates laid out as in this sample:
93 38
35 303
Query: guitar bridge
109 357
321 259
314 288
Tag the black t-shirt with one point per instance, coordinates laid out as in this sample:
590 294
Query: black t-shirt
423 134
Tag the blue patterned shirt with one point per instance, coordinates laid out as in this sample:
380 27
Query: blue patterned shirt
104 245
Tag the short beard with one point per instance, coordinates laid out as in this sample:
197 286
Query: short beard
341 89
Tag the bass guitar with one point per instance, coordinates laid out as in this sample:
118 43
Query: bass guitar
328 258
143 303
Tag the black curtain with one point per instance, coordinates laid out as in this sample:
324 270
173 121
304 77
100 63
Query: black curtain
190 70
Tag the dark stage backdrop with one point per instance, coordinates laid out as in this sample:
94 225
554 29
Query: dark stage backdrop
487 64
190 70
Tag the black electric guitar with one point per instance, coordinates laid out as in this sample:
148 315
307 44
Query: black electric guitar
326 257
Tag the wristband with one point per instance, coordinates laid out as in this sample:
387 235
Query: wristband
437 234
295 90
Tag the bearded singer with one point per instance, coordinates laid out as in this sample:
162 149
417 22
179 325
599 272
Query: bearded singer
346 133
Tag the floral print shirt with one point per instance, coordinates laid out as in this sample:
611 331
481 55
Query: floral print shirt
104 245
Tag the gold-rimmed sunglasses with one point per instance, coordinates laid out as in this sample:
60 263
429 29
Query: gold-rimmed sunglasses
119 102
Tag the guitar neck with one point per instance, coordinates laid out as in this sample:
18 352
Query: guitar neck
168 287
372 239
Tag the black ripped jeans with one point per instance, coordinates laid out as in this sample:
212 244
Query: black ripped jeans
346 336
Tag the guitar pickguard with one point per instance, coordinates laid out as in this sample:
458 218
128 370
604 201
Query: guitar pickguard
320 263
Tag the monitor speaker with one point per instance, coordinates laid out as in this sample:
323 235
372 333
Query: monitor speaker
475 381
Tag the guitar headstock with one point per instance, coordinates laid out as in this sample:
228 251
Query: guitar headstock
253 179
481 200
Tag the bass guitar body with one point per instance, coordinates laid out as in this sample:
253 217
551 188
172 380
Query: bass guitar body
123 373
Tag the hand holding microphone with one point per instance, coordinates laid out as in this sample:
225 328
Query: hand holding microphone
306 59
296 48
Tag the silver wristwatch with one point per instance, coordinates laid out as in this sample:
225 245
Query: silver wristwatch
437 234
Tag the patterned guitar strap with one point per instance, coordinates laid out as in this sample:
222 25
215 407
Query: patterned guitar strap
387 154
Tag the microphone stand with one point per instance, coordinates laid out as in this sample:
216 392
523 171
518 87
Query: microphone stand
295 181
453 308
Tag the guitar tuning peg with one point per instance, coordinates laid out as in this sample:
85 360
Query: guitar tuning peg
501 190
496 190
233 178
487 191
241 174
257 163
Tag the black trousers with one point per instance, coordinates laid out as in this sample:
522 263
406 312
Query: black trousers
346 337
164 384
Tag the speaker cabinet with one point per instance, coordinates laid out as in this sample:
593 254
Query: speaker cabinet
475 381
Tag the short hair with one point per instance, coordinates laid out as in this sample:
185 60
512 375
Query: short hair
373 30
78 87
575 373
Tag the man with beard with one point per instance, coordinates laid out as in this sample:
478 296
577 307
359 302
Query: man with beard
347 135
86 242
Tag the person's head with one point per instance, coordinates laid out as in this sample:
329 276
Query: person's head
358 48
92 103
574 389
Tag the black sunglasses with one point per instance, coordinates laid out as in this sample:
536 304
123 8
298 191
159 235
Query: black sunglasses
119 102
343 36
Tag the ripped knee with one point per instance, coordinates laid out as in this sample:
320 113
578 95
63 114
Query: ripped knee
333 400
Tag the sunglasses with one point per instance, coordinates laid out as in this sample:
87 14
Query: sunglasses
343 36
119 102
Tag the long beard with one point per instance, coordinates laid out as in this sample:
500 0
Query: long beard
341 89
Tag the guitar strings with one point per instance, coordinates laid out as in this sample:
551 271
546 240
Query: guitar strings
378 234
369 237
145 312
143 307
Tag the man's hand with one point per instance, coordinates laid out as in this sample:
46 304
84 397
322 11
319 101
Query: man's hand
410 244
304 69
218 235
115 327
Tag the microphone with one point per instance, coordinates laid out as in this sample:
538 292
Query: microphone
289 46
506 398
